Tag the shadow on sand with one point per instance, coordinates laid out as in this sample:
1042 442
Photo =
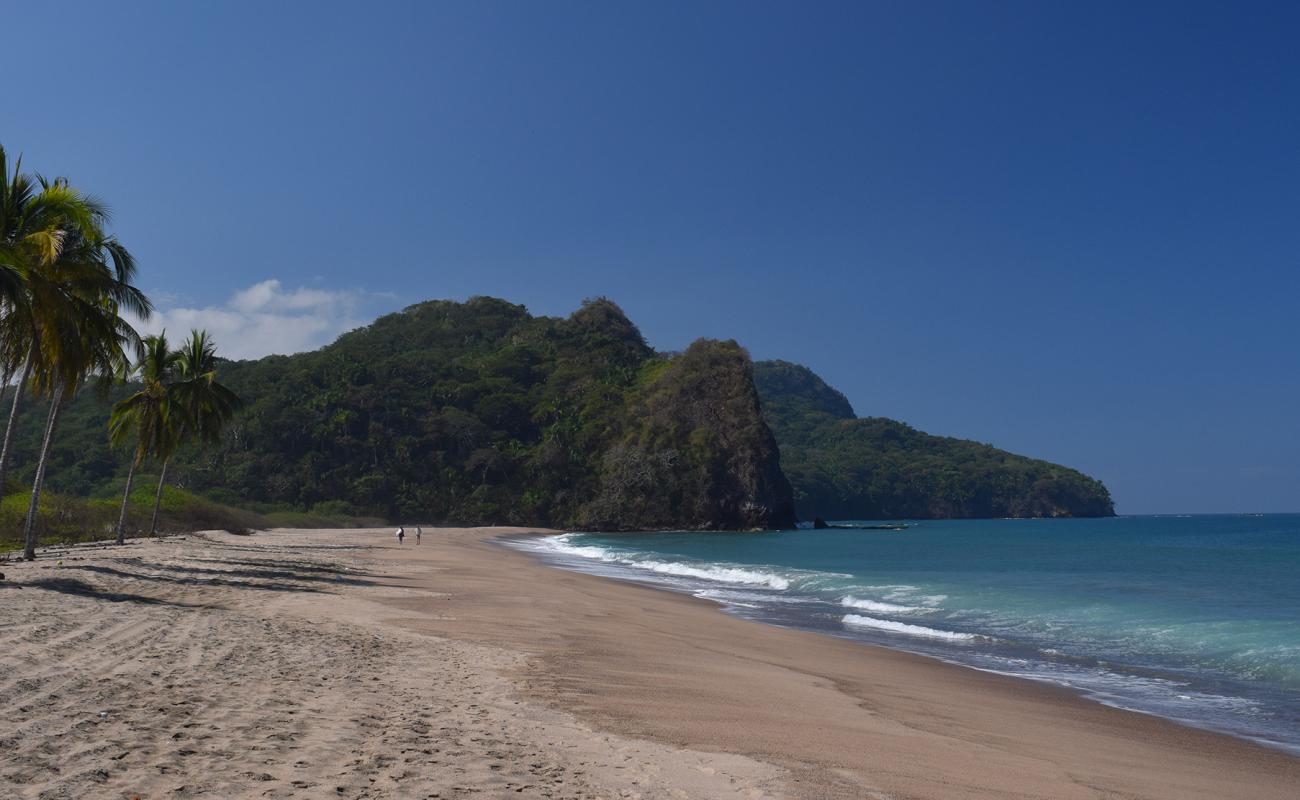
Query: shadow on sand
192 581
82 589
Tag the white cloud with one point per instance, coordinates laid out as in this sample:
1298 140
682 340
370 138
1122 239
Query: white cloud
266 318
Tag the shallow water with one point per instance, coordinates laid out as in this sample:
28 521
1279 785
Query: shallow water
1192 618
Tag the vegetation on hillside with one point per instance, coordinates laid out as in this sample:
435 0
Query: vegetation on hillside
470 413
842 467
694 451
479 412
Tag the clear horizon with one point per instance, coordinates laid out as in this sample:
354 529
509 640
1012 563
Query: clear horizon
1067 232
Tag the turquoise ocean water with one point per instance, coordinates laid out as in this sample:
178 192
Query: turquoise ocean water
1192 618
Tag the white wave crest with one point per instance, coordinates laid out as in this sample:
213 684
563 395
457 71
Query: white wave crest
709 572
561 544
714 573
880 608
902 627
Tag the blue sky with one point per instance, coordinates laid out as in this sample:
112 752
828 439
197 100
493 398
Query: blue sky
1071 231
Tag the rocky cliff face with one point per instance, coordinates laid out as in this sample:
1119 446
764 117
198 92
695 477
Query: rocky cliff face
695 452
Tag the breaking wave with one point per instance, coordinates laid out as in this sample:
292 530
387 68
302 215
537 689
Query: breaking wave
859 621
720 573
879 607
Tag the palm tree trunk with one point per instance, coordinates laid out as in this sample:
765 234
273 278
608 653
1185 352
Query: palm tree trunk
29 532
126 497
157 499
4 450
13 421
4 383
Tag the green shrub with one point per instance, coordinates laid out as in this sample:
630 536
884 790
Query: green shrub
62 519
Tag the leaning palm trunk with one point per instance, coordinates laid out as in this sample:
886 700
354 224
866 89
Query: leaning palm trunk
126 498
13 421
157 499
29 532
4 449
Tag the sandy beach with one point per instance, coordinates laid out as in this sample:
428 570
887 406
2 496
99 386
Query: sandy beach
337 664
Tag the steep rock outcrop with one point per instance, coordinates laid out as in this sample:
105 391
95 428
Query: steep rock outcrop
695 452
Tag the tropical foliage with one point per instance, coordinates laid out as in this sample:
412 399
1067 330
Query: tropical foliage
144 418
479 412
178 398
473 412
65 286
68 519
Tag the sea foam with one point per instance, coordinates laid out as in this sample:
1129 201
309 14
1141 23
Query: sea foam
712 572
719 573
859 621
880 608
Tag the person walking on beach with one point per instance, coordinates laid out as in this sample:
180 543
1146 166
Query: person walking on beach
417 534
401 534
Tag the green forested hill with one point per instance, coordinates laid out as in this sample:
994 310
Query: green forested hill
842 467
478 412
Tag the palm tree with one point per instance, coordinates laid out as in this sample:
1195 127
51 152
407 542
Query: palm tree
25 224
16 227
144 418
199 406
43 222
77 284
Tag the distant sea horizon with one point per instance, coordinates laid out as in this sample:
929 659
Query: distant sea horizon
1191 617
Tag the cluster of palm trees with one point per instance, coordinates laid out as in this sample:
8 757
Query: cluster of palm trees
65 284
179 398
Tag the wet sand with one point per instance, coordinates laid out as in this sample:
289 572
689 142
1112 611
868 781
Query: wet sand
245 666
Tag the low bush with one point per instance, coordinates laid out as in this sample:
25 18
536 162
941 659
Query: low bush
63 519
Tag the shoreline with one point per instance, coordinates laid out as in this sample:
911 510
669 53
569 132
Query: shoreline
589 566
301 664
269 666
844 717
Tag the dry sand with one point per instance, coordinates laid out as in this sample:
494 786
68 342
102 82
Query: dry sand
238 667
319 664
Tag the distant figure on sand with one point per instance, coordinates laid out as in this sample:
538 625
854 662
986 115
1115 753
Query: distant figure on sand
401 534
417 534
